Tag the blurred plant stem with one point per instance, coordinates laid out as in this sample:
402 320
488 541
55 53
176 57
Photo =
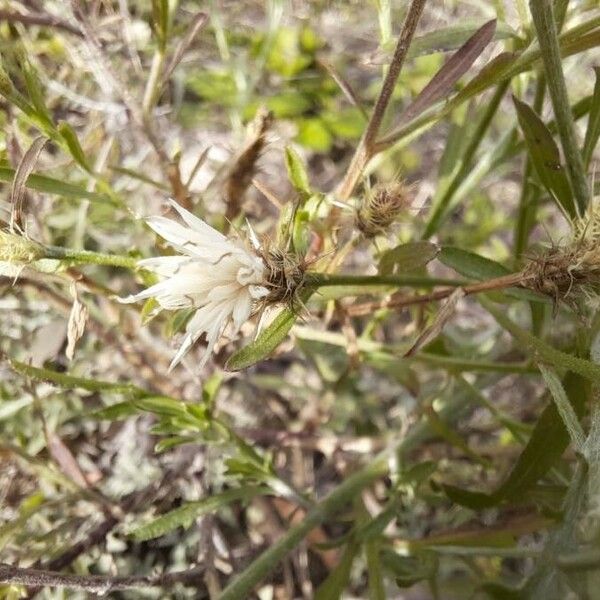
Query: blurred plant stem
88 257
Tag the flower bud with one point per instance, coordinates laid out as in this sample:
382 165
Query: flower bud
381 207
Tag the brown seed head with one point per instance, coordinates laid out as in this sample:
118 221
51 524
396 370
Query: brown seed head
381 207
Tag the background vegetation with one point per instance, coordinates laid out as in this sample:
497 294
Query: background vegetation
423 422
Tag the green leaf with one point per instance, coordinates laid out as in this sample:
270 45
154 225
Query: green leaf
265 344
407 257
297 172
564 407
545 157
336 582
471 265
48 185
408 570
185 515
593 129
36 93
70 137
115 412
162 405
546 445
541 349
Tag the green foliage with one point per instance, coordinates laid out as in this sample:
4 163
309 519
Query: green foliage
362 462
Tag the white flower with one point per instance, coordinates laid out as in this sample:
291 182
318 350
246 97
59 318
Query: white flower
218 276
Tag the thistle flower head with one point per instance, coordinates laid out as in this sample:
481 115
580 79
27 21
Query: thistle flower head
219 277
381 207
571 271
285 275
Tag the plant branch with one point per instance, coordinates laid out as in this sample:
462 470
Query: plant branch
344 494
365 150
543 19
401 301
89 257
98 584
43 19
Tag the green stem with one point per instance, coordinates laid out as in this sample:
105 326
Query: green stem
540 349
543 18
68 381
244 583
90 258
317 280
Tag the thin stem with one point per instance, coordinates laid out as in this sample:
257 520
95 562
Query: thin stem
43 19
365 150
317 280
90 258
154 83
543 19
244 583
97 584
401 301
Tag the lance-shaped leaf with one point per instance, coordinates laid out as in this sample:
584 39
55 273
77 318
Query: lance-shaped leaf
454 68
470 264
545 157
548 441
185 515
264 345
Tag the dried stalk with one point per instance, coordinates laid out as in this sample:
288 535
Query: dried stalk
402 301
99 584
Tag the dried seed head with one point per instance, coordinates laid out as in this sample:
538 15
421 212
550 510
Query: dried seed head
245 165
18 249
570 272
381 207
285 275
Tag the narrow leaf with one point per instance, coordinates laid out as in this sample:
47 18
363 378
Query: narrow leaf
593 128
185 515
564 407
297 172
546 445
456 66
471 265
336 582
70 137
545 157
48 185
267 341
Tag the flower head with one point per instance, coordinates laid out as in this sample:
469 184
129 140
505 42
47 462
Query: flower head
381 206
219 277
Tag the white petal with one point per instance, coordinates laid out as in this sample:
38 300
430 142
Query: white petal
198 224
241 312
164 265
188 240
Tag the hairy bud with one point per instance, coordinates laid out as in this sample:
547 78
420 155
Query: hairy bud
381 207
